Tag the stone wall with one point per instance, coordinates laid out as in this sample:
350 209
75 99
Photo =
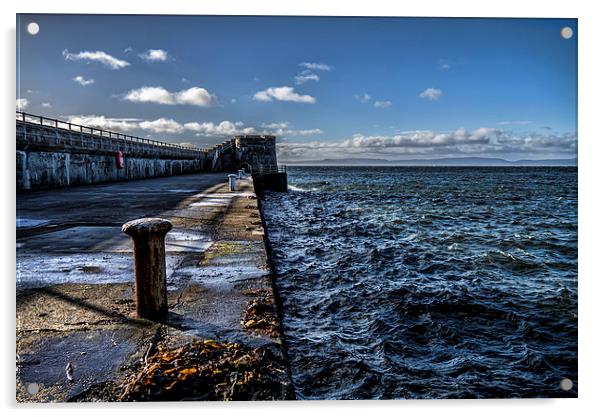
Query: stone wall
39 169
62 154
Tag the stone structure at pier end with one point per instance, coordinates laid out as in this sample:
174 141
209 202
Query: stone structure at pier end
256 154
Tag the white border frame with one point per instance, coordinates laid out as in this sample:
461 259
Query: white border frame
590 233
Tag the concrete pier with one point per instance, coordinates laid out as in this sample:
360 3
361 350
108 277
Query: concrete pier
75 282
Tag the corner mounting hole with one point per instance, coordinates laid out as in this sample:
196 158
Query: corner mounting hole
33 388
566 384
566 32
33 28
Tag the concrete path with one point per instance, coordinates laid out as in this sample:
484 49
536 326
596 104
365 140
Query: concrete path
75 277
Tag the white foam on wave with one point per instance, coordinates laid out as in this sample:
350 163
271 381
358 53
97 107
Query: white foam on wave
303 190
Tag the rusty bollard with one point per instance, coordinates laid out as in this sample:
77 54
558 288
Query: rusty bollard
148 235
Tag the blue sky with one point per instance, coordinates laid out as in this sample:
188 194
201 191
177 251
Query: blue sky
392 88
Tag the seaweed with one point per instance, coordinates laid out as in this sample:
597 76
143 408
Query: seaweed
261 315
208 370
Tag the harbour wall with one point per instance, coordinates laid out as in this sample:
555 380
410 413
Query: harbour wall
52 153
38 169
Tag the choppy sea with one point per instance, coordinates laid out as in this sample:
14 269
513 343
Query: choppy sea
428 282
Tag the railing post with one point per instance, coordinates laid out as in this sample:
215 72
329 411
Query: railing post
148 235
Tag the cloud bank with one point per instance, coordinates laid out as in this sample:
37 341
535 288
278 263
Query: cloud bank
483 141
164 125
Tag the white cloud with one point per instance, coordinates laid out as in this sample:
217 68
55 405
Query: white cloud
233 101
98 56
514 122
150 95
316 66
22 103
282 129
445 66
82 81
224 128
362 98
283 94
162 125
279 125
304 77
102 122
304 132
431 93
382 104
46 105
156 55
195 96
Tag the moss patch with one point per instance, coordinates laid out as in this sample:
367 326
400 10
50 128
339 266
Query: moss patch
220 250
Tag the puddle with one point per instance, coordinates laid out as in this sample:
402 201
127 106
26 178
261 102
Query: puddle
108 239
182 190
210 204
37 271
216 195
93 355
187 241
222 277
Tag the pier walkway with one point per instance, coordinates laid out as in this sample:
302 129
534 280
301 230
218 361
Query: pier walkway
75 279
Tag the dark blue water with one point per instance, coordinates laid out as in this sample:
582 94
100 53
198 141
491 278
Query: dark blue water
424 282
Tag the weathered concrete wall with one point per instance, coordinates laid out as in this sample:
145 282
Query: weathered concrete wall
62 154
38 169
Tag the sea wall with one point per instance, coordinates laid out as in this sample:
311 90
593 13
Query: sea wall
38 169
64 155
53 153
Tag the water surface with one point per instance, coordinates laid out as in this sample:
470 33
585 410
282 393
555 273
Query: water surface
428 282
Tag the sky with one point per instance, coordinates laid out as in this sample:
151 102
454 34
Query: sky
327 87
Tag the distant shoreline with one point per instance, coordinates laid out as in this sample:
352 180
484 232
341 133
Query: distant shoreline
428 166
441 162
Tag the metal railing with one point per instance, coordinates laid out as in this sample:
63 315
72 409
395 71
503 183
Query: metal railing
271 169
73 127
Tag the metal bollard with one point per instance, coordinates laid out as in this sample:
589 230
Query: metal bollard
240 174
148 235
232 182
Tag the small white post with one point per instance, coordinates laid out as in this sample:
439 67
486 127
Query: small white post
232 182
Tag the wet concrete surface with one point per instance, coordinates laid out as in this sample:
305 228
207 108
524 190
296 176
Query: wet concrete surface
75 277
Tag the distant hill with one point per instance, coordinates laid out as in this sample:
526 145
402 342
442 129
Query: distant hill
466 161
